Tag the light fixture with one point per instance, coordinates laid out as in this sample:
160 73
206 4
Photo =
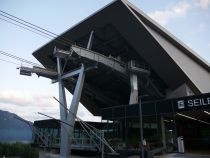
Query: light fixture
204 122
207 112
166 121
192 118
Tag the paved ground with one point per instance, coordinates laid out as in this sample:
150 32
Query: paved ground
176 155
80 157
183 156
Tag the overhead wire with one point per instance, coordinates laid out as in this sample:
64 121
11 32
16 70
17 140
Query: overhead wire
20 59
15 57
33 28
41 135
24 28
86 125
83 124
55 119
75 116
27 22
27 25
63 40
38 30
10 62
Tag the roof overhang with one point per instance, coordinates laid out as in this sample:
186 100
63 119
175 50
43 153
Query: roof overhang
121 29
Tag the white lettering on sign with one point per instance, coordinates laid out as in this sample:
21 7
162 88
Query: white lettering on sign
190 103
180 104
193 102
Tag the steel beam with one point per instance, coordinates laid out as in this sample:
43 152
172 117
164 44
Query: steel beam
68 75
99 58
90 42
122 68
39 71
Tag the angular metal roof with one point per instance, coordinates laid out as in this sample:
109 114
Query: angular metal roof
123 31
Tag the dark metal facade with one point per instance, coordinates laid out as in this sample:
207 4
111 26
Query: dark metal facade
191 104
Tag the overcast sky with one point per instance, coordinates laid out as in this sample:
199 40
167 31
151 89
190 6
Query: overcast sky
188 20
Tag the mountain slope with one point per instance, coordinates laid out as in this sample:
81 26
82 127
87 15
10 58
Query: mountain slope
12 129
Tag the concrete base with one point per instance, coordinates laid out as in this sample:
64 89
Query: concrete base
177 155
47 154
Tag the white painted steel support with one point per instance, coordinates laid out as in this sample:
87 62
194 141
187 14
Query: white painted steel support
134 89
64 136
67 75
65 116
75 101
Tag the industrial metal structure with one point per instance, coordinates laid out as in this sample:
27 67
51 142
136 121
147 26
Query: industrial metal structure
175 70
81 140
118 55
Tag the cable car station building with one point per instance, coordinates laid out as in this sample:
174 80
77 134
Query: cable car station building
129 60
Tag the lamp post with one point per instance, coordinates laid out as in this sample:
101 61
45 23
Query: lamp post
141 126
141 129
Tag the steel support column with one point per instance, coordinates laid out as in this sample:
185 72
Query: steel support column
141 129
75 102
64 146
134 89
67 131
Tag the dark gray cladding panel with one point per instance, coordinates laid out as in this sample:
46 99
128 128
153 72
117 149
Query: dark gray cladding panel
190 65
191 105
149 49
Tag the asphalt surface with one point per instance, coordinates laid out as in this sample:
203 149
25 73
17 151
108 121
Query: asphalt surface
176 155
